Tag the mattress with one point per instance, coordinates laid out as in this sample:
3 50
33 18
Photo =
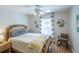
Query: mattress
29 42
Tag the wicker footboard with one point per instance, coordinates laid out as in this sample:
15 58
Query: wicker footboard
46 45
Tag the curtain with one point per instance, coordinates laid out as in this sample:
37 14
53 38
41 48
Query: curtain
47 24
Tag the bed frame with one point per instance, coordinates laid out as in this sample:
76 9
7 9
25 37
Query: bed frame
8 35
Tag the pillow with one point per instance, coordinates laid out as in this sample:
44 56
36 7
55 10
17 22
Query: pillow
17 31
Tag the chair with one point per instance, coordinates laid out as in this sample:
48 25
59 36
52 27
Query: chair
63 40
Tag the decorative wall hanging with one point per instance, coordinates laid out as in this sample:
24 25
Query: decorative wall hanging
60 22
36 24
77 22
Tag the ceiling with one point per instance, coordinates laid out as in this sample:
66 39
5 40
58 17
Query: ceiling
29 9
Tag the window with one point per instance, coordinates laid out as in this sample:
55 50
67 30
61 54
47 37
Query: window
47 26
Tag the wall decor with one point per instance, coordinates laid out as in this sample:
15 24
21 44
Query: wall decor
37 26
77 22
60 22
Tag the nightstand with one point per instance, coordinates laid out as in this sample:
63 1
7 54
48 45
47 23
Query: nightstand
5 45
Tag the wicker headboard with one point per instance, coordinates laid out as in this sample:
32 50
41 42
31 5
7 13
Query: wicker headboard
15 30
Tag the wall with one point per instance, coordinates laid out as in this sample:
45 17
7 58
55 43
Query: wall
74 35
9 17
32 26
61 15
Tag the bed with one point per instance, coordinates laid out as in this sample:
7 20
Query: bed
22 41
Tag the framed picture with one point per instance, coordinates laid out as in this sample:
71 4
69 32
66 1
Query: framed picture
77 22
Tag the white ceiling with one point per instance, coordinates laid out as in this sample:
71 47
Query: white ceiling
29 9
